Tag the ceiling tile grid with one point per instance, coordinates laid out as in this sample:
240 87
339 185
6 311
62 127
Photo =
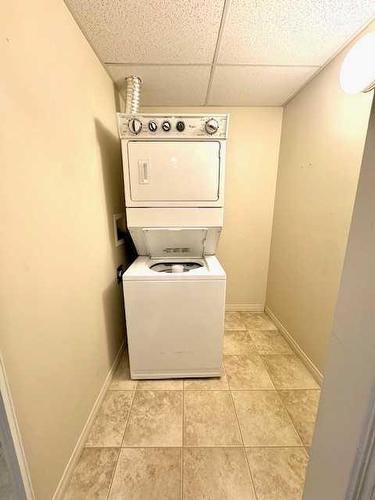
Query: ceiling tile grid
218 52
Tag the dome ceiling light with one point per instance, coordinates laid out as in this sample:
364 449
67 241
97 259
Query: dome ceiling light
358 69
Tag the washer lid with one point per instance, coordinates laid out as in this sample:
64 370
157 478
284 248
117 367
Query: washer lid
175 242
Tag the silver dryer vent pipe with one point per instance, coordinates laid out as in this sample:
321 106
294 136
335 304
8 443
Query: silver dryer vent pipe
133 94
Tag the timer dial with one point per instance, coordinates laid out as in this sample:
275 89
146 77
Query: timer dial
135 126
211 126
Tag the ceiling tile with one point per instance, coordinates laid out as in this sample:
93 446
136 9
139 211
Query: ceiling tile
158 31
166 85
256 85
305 32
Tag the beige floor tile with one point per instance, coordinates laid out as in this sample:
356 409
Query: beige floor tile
210 419
93 474
302 407
247 372
233 321
147 474
263 419
238 342
257 321
288 372
155 419
207 384
160 385
110 422
278 473
6 481
121 379
270 342
216 474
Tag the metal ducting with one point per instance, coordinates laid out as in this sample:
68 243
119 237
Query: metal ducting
133 94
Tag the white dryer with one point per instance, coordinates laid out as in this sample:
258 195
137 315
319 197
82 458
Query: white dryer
174 292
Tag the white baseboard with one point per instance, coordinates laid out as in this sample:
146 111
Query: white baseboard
65 478
317 374
256 308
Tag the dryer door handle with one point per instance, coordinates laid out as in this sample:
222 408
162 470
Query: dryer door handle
144 171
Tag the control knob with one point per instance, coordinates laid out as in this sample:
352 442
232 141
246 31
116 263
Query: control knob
211 126
152 126
180 126
135 125
166 126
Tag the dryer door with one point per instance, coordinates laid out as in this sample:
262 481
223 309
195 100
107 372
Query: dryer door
179 171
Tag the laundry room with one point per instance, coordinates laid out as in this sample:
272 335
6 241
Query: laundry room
187 240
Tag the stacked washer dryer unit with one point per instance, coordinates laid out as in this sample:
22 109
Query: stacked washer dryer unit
175 290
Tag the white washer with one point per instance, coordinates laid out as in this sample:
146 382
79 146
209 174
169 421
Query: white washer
175 319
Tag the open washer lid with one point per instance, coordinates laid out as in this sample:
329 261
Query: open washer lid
173 242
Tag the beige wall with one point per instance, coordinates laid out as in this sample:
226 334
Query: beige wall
251 170
346 411
61 312
322 143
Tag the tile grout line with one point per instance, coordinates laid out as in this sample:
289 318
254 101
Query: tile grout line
217 47
183 439
272 447
127 420
243 443
233 446
239 426
296 389
113 474
208 64
183 416
182 473
251 475
120 448
226 390
300 438
268 373
291 419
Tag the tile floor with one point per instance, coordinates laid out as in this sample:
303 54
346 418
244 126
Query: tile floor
7 490
244 436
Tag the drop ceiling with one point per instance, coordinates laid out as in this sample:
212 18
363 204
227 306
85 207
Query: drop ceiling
218 52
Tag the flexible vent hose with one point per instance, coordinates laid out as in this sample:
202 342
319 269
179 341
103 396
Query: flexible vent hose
133 94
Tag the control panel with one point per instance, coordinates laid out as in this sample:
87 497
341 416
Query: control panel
161 126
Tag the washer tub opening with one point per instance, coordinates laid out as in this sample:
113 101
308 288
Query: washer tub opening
175 267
